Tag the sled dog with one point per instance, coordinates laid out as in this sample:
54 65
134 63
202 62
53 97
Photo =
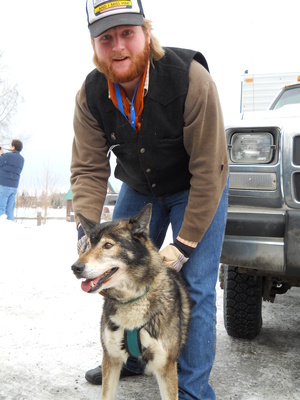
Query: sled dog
146 306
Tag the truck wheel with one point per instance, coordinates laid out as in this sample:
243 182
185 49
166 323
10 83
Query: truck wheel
242 303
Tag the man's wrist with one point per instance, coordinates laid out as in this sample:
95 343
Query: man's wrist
186 248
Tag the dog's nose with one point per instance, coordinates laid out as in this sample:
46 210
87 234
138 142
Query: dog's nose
78 268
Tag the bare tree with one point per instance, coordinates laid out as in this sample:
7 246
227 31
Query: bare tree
47 183
9 101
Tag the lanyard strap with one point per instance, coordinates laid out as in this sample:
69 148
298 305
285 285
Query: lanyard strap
120 104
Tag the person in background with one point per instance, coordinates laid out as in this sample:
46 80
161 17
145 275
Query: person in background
157 109
11 165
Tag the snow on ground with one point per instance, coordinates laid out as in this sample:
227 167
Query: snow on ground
23 237
49 329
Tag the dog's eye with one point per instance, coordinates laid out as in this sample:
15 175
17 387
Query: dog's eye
107 246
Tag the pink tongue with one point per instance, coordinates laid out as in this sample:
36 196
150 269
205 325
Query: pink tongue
86 286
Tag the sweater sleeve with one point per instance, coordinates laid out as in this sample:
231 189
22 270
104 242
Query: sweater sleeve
90 168
205 143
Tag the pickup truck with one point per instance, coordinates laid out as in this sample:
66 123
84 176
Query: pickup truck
261 251
109 205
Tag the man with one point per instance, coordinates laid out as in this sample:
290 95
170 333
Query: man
11 165
158 111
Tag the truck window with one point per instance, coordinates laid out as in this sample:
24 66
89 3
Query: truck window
288 96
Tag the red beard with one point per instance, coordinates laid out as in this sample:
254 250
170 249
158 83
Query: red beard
139 63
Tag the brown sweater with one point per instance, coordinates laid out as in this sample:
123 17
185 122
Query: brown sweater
204 141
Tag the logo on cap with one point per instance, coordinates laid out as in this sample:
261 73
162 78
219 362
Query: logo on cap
101 7
106 14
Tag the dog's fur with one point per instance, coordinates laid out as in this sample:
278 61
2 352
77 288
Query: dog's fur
140 293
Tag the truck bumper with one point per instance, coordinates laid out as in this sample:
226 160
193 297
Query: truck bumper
254 252
266 242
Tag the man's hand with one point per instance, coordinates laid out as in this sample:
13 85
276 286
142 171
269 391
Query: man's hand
82 242
172 257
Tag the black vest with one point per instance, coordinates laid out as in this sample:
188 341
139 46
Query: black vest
153 161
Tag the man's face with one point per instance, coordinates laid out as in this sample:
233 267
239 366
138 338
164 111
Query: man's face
122 53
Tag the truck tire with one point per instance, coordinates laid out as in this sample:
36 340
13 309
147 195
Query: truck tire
242 303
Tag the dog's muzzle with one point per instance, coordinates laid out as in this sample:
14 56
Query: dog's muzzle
91 285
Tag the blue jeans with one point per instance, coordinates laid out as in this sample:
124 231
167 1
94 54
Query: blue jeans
200 272
7 201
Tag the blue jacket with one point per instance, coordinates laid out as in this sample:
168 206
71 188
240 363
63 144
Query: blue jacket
11 165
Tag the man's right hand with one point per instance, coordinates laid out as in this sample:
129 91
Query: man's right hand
82 242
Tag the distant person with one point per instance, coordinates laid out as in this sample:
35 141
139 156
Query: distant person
11 165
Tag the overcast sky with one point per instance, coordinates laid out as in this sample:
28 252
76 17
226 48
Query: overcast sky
46 46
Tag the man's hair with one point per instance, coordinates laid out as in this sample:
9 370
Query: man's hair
17 144
156 50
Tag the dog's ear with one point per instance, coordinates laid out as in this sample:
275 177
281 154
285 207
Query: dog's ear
87 224
140 223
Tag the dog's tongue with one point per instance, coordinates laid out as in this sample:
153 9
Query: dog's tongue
88 284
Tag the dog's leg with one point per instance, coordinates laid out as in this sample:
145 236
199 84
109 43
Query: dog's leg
168 381
111 368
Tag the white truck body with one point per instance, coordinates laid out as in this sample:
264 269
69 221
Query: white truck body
258 90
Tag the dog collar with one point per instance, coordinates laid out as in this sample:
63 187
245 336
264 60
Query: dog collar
137 298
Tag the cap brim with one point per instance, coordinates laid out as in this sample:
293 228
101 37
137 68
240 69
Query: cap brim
102 25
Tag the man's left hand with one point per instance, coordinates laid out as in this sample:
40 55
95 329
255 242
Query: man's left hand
172 257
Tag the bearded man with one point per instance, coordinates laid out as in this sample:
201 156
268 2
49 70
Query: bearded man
157 109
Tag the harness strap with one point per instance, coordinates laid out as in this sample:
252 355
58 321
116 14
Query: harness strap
132 342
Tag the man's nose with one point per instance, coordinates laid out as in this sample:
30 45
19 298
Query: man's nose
118 43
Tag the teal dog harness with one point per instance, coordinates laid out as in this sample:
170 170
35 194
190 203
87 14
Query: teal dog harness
132 342
132 339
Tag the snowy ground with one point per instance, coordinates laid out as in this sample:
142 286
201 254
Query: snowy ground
49 334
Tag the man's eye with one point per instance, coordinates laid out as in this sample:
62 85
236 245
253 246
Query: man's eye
104 38
107 246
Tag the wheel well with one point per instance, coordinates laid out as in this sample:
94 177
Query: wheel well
271 284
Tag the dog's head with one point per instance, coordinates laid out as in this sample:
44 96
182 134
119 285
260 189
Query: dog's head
118 254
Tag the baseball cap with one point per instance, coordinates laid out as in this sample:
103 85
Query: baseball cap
105 14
